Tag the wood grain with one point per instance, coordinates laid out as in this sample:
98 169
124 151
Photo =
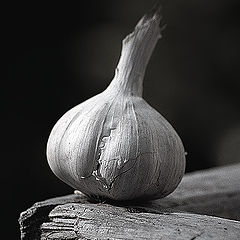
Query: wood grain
102 221
185 214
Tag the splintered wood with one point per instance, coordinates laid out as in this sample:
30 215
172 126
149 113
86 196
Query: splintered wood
206 205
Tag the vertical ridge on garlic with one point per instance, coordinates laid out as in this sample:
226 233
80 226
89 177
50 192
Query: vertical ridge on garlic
115 145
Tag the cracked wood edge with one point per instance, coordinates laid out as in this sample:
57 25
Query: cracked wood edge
32 218
211 192
103 221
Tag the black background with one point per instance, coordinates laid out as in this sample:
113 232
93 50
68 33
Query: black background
60 55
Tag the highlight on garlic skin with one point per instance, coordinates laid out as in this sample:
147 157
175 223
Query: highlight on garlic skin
115 145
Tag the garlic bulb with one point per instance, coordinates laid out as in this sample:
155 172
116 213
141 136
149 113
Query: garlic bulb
115 145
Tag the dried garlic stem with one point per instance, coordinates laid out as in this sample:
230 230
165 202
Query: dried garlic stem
137 49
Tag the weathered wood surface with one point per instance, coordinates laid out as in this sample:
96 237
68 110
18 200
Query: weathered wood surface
185 214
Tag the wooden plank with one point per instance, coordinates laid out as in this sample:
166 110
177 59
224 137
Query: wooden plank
213 192
210 192
103 221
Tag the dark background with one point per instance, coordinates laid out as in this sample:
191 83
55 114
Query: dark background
61 55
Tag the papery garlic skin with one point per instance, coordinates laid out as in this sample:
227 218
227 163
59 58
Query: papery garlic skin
115 145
